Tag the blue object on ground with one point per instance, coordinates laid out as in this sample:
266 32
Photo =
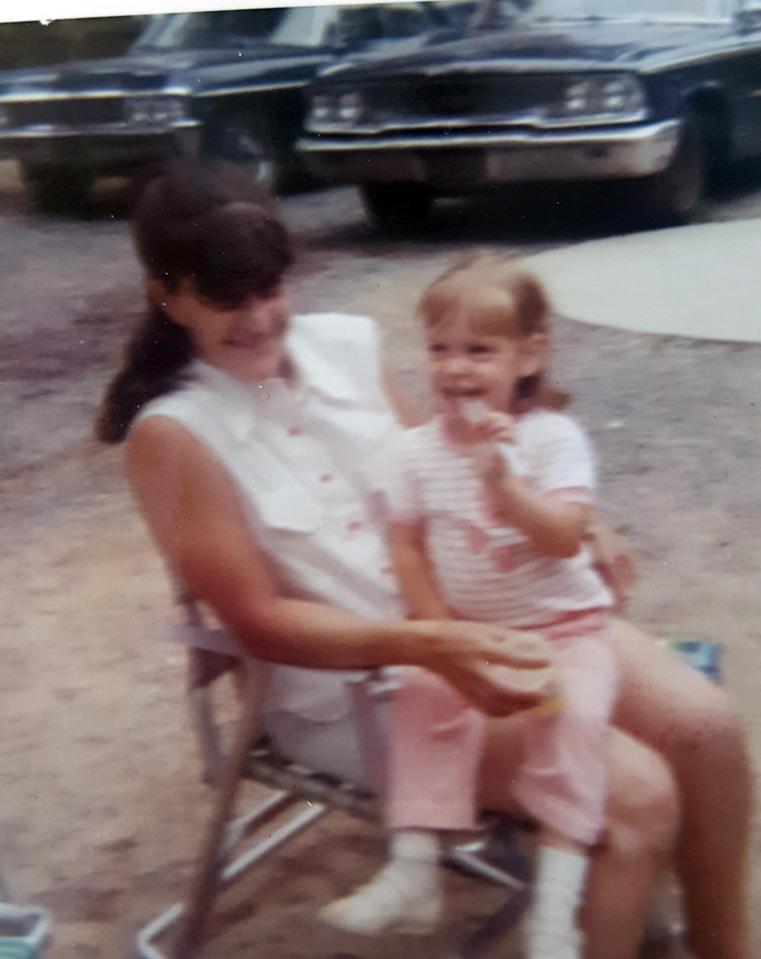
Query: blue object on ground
17 949
701 655
24 931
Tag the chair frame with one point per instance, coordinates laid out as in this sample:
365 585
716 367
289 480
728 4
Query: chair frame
492 854
308 797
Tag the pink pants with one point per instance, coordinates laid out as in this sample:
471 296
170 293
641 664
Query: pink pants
435 744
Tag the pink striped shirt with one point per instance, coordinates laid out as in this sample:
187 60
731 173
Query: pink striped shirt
487 571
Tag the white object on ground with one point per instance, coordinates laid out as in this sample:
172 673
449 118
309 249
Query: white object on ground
699 281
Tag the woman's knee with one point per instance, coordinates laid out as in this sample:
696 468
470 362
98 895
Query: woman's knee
643 814
706 727
670 706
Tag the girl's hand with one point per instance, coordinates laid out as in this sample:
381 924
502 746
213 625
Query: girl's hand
471 421
493 427
481 430
471 657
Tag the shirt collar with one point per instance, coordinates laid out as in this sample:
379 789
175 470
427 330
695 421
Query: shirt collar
246 405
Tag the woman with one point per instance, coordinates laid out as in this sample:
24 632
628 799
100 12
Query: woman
245 429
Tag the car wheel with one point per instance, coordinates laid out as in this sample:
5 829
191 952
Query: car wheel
246 140
674 196
393 207
57 188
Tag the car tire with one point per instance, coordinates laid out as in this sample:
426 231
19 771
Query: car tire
393 207
673 196
57 188
246 140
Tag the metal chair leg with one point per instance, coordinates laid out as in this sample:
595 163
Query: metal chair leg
205 880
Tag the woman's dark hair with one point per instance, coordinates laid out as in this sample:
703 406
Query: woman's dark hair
213 224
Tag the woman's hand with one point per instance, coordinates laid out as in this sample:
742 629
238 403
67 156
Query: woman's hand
611 559
498 670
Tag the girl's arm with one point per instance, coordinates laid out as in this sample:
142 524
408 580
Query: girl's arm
555 526
194 514
414 572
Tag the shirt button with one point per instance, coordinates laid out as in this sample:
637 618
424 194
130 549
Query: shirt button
326 478
295 431
354 525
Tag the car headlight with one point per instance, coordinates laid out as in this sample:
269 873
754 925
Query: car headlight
601 98
322 108
335 109
156 111
350 107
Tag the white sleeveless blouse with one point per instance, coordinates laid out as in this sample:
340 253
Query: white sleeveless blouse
296 453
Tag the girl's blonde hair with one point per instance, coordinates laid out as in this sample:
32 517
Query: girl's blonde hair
499 299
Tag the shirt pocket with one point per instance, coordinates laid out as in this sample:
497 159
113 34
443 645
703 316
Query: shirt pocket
291 510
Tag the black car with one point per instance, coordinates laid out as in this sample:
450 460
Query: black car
224 83
658 92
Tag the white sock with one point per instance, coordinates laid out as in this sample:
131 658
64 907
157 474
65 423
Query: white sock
415 855
558 888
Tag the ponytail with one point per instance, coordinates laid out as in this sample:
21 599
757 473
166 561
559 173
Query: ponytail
155 360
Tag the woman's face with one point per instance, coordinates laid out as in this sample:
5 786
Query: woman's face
248 341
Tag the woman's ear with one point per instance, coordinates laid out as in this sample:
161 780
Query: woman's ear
533 354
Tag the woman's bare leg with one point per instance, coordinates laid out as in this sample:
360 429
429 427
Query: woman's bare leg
641 826
678 712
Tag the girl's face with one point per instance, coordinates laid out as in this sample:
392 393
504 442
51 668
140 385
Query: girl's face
465 363
248 341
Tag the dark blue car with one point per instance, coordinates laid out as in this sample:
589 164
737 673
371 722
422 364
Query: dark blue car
224 83
660 93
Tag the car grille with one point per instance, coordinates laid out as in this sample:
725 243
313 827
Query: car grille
476 98
67 112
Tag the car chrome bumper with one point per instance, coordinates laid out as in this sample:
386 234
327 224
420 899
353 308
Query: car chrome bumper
102 146
462 161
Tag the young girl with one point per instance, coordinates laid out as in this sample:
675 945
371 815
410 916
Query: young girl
488 504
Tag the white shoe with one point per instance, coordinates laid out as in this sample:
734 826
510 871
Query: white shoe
547 943
386 904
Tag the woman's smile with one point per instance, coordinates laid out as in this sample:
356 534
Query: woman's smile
254 342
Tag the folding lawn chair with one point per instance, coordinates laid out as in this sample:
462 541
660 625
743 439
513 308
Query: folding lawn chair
492 854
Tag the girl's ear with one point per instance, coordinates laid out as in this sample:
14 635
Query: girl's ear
161 296
533 354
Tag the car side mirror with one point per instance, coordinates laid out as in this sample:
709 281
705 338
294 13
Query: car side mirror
344 36
748 19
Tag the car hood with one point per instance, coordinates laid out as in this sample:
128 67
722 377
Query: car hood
547 47
147 70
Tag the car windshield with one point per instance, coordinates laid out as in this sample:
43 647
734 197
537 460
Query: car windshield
221 28
665 11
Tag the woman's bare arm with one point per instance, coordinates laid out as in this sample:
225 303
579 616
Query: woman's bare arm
404 406
195 517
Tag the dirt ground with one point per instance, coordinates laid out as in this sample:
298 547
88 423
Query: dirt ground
101 800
